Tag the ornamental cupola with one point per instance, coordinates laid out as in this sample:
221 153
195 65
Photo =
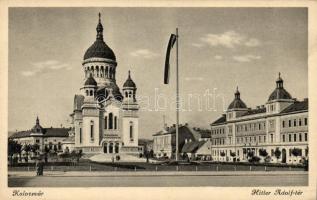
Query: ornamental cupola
99 60
279 92
90 87
129 94
237 103
37 128
279 98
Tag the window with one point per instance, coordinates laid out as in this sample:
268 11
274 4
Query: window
299 122
295 122
305 121
290 152
106 122
300 137
283 138
283 124
37 141
110 121
264 138
87 93
115 122
271 138
295 138
306 137
289 123
80 135
131 131
289 137
91 94
59 145
91 129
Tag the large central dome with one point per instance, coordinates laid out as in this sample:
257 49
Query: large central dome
99 49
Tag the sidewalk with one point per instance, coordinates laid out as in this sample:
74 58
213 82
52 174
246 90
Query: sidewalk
153 173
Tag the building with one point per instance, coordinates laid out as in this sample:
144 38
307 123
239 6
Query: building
276 128
105 119
45 138
164 141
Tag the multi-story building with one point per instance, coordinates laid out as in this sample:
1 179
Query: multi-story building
164 141
276 128
45 138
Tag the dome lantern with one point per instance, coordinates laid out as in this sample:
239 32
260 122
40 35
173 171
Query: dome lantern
237 103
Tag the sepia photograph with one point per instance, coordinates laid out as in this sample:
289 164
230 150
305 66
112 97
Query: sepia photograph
158 97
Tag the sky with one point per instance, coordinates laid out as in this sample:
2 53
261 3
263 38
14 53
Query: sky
219 49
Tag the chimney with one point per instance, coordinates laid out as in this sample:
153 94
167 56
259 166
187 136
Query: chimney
186 124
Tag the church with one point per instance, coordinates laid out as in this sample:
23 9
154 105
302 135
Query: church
105 118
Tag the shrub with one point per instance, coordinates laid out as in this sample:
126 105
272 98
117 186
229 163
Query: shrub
277 153
262 152
250 154
232 154
254 159
267 159
222 154
117 157
296 152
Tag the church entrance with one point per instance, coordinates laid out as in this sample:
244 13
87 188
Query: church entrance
111 148
116 148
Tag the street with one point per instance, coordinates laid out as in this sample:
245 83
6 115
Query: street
161 181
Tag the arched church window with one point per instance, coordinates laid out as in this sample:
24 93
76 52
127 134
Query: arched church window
91 93
126 94
106 72
97 70
130 94
131 131
101 71
115 122
91 129
106 122
110 121
87 93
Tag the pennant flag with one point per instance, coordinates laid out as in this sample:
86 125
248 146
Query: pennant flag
171 43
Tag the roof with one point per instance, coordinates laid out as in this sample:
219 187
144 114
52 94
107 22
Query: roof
296 106
129 82
99 49
90 80
110 86
192 147
279 93
47 132
237 102
255 111
220 120
183 130
78 101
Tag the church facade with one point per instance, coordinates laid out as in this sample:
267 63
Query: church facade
105 118
274 132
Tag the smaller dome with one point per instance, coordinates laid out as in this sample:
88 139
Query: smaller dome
279 92
237 103
37 128
90 81
129 82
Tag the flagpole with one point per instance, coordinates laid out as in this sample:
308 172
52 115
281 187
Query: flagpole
177 96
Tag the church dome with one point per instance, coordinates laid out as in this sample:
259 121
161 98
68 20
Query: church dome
99 49
237 103
279 92
90 81
129 82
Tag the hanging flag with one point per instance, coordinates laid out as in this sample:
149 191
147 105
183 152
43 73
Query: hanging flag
171 43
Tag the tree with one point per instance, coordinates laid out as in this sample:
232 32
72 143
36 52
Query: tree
13 148
27 149
277 153
250 154
262 152
296 152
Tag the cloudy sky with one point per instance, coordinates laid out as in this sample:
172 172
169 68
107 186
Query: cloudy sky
219 49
